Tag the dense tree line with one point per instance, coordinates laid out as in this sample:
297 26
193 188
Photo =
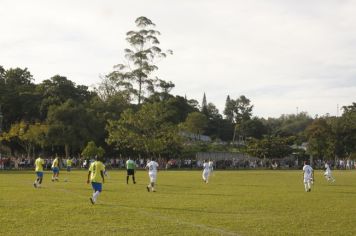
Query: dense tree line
132 112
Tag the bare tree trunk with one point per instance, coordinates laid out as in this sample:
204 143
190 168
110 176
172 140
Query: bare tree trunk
66 149
233 138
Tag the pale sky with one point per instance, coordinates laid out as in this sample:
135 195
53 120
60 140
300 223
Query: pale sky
281 54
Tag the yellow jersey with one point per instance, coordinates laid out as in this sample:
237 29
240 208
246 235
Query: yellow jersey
39 164
55 163
95 168
69 162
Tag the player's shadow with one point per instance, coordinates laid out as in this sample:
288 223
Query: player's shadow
173 186
340 185
200 211
212 194
352 193
196 210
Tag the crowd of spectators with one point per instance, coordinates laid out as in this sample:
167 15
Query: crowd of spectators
19 163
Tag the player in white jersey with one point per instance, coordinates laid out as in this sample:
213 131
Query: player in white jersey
308 174
211 167
152 167
327 173
206 171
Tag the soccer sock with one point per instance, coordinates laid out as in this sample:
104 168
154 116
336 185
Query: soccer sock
306 187
309 185
95 195
127 179
133 179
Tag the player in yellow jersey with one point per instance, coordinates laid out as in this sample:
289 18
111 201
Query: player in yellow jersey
69 164
55 169
96 177
39 162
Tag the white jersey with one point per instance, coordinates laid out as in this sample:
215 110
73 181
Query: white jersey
152 166
327 167
308 172
211 167
206 167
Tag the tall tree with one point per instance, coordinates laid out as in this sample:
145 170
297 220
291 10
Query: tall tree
70 126
242 112
229 109
146 131
135 76
204 106
320 140
18 99
58 90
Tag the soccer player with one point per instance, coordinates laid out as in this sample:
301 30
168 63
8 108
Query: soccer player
55 169
69 164
39 162
328 174
96 177
308 176
206 171
152 167
131 167
211 167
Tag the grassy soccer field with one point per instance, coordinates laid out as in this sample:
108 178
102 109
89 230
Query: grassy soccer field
233 203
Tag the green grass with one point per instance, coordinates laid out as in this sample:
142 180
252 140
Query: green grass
233 203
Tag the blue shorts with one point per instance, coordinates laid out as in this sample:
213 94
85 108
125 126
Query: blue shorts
39 174
69 168
55 170
96 186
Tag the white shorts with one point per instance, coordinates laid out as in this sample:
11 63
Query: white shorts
153 177
206 174
307 180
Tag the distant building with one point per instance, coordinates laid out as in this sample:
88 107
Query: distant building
195 137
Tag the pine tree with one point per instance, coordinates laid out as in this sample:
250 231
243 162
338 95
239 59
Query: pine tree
229 109
204 106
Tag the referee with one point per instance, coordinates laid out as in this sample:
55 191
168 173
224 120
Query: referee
131 167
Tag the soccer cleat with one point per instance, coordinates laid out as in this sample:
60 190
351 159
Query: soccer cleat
92 201
35 185
134 182
148 189
52 180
